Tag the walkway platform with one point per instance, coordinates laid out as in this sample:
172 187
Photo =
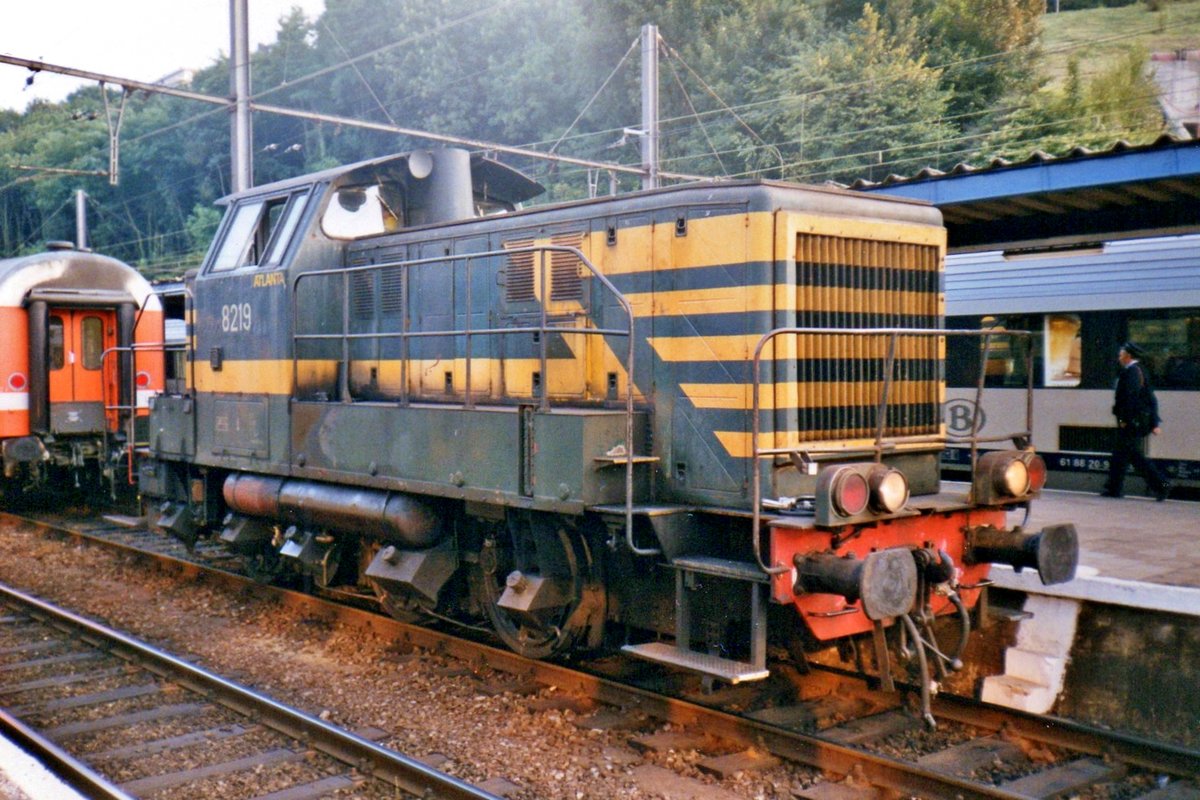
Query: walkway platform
1133 551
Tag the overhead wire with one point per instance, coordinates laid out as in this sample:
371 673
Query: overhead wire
698 116
588 104
408 39
704 130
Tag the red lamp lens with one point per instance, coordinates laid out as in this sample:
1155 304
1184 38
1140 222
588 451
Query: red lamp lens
1037 473
851 493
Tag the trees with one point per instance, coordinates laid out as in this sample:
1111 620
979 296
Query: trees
860 103
821 89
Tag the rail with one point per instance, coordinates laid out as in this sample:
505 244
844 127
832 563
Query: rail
404 772
405 334
70 770
803 452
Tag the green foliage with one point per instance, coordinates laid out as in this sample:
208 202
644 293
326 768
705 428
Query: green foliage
864 96
805 89
1086 111
202 226
1075 5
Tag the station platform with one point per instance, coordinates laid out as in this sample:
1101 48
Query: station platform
23 777
1133 551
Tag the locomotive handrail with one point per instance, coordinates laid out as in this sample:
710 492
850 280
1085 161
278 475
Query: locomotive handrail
880 445
404 335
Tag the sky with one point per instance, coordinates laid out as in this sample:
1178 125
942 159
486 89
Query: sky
142 40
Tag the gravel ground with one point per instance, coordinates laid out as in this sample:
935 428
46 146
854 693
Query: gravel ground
424 701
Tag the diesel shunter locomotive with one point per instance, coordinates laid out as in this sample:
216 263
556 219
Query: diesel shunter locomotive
688 421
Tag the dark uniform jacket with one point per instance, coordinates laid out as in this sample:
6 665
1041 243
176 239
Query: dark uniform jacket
1135 406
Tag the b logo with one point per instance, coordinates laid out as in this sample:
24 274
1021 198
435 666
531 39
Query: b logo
960 414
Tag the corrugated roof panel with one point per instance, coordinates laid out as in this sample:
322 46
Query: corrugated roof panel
1142 273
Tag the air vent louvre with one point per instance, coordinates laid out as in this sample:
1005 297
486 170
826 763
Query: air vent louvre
392 290
362 295
519 281
565 280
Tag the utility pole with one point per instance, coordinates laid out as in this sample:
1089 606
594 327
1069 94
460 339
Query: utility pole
241 141
650 106
81 231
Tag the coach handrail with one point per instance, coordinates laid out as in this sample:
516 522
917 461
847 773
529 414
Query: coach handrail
542 329
879 446
134 349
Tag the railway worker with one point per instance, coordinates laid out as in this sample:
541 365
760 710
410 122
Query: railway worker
1136 410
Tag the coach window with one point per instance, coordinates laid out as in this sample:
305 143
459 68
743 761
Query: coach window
1171 339
92 334
1005 364
1064 350
57 351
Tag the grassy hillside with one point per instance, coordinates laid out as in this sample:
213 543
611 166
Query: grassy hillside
1100 34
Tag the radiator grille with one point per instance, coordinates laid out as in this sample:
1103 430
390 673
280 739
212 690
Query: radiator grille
857 283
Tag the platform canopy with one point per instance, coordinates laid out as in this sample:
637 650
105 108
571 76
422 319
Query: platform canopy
1046 201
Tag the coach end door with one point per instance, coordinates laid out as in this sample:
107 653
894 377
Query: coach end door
79 373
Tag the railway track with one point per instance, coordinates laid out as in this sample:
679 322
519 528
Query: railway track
109 711
865 743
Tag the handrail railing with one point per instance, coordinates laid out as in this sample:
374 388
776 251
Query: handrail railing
405 335
882 443
129 412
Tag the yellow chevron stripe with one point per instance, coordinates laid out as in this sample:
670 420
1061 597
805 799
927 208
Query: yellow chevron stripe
792 394
751 299
705 348
723 300
738 443
727 239
790 346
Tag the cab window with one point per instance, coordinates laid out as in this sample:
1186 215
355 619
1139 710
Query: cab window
239 238
283 233
259 232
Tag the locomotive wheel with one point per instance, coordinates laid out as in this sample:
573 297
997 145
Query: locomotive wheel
534 545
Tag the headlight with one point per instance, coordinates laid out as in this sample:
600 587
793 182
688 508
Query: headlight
1037 472
1013 478
889 489
1007 475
